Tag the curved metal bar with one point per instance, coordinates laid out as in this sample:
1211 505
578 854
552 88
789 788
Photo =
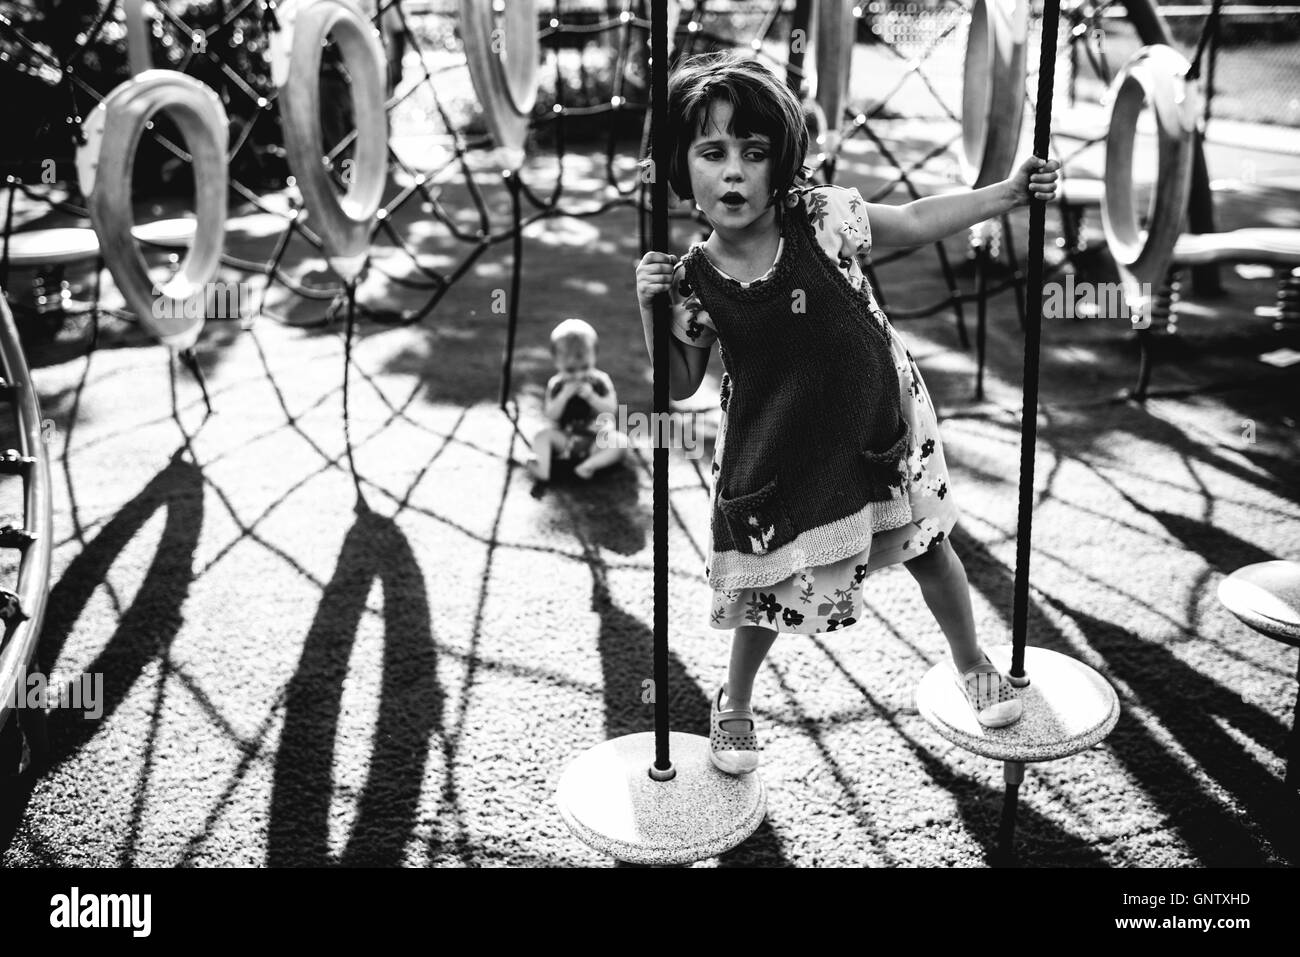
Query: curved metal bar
23 630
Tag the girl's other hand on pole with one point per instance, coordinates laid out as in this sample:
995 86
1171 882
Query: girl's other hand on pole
1036 179
654 274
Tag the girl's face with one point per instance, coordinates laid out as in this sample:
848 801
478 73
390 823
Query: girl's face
731 177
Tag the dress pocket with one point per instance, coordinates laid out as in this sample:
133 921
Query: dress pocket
886 469
758 521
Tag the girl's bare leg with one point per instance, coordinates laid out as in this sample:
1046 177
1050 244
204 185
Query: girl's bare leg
749 646
943 583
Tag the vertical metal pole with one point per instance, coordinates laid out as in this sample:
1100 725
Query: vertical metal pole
512 317
662 316
1293 746
981 314
1033 323
796 74
1013 773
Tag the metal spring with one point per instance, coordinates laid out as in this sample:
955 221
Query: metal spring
1165 304
1288 299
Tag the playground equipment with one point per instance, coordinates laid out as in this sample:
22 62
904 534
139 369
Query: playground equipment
1266 596
344 223
22 611
1156 74
503 67
1151 260
1069 707
113 133
627 797
993 106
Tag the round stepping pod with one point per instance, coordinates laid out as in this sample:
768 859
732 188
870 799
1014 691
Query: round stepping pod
1156 75
1266 596
993 90
174 313
502 52
1068 709
343 222
611 803
836 31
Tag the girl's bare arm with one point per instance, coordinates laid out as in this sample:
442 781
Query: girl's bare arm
936 217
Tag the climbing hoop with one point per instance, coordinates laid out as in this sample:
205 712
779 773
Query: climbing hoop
993 90
343 222
1157 74
169 313
503 67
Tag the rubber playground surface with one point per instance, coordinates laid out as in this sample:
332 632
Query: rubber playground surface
291 679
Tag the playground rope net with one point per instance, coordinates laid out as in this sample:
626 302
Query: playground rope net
908 118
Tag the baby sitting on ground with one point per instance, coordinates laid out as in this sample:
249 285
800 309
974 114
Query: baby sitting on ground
580 404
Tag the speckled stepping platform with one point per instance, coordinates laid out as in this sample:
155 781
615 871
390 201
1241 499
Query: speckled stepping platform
1068 709
1266 596
610 802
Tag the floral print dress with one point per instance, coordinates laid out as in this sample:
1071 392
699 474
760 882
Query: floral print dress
827 598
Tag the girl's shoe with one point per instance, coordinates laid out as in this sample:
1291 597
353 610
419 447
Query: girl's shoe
735 752
990 694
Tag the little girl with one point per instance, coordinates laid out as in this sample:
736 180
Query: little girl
828 464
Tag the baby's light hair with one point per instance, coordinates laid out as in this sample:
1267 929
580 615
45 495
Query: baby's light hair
760 103
573 330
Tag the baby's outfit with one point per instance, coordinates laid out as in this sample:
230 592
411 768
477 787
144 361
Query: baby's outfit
579 421
828 463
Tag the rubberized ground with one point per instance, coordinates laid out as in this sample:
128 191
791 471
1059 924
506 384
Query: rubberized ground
291 679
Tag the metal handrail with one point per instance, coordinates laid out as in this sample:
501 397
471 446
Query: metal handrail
19 647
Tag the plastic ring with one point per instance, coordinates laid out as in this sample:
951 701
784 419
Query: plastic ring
836 31
503 66
1156 73
343 222
993 90
169 314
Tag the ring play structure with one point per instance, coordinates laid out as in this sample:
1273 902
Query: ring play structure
1154 74
652 797
502 50
343 222
105 164
201 118
993 90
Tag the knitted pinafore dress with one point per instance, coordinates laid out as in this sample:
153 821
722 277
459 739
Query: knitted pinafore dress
817 439
819 596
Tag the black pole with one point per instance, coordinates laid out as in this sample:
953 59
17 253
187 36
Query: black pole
662 316
1033 322
516 266
795 75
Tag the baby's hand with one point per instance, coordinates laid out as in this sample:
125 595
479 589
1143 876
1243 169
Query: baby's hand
654 274
1036 179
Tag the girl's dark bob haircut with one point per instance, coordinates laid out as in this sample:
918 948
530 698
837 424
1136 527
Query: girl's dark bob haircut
761 104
